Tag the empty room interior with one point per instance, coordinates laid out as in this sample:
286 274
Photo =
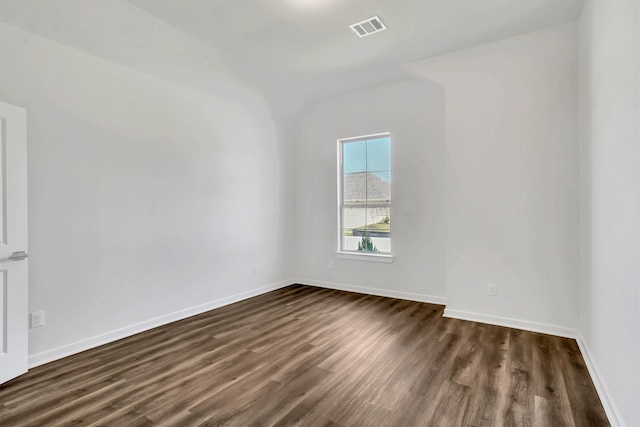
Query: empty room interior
320 213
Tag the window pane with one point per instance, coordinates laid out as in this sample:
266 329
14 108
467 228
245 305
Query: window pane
354 156
349 242
353 223
378 187
378 229
353 218
379 219
378 155
355 188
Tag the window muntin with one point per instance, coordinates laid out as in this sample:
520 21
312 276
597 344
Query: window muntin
365 194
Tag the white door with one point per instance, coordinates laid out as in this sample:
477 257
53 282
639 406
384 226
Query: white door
13 242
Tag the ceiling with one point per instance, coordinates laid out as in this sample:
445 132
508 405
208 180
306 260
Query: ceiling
294 52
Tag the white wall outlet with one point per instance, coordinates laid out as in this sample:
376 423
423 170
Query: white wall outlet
492 289
256 269
37 319
331 265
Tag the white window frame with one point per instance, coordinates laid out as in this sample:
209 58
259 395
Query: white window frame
357 255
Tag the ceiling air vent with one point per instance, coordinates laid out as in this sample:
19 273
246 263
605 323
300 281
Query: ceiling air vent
368 27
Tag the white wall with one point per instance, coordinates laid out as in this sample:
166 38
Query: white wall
512 178
413 112
144 198
610 159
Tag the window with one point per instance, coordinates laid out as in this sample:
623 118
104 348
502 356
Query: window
365 195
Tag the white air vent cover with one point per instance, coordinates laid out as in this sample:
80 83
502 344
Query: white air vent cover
368 27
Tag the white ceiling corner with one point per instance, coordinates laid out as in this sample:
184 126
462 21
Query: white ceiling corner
293 51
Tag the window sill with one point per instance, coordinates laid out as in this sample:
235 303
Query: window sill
365 257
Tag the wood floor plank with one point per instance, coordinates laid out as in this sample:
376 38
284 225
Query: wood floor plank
549 386
519 403
453 400
306 356
586 407
487 391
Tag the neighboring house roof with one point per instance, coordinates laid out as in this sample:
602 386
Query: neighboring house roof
359 187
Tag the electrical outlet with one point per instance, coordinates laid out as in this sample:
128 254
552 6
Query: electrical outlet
256 270
37 319
331 265
492 289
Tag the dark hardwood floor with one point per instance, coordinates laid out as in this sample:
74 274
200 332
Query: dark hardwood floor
314 357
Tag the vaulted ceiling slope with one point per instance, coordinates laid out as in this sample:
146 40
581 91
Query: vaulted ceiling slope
292 51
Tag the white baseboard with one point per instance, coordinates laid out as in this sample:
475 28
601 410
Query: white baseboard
615 419
98 340
374 291
525 325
